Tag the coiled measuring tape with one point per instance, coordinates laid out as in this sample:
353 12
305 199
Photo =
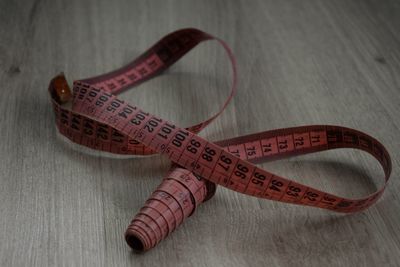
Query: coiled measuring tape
93 116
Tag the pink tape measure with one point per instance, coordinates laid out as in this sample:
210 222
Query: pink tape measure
99 120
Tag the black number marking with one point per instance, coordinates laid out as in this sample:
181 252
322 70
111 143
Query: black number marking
194 145
275 185
226 160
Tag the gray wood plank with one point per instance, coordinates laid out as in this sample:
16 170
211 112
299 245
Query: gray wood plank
300 62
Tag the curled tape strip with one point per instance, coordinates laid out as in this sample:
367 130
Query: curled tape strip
99 120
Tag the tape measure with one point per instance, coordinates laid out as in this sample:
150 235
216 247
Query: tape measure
93 116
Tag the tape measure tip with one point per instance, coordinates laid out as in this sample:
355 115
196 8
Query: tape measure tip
62 89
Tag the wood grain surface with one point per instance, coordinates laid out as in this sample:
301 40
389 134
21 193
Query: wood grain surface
300 62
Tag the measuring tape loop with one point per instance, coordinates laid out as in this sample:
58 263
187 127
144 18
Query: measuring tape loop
99 120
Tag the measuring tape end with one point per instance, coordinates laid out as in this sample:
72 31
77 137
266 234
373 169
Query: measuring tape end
60 89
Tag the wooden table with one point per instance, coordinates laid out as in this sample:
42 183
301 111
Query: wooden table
300 62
